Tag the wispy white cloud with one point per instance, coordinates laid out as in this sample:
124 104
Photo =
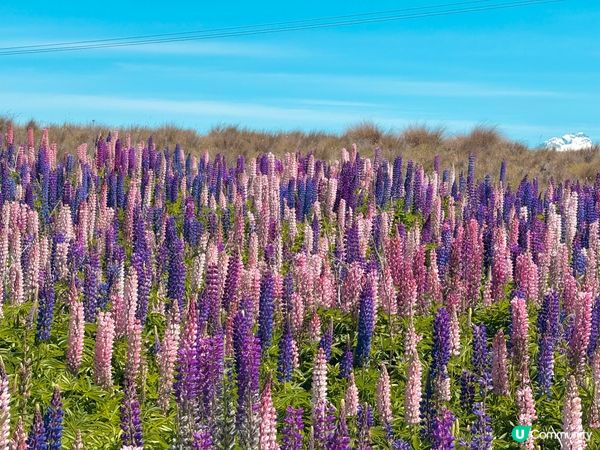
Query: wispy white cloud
359 84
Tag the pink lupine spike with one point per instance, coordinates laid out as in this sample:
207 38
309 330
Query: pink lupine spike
4 408
499 364
520 339
76 330
319 380
351 397
134 351
384 401
314 327
268 420
580 337
413 388
594 414
574 437
104 348
19 439
526 411
526 276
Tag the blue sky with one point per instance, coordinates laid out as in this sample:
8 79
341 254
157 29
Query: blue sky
533 72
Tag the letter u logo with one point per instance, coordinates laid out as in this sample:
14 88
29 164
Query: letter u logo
520 433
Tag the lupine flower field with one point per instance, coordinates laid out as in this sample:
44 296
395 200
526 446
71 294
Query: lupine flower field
169 298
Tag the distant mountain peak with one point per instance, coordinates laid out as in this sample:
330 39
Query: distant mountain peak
569 142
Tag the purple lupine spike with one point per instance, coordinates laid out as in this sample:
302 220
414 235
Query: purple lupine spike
481 429
211 297
323 423
595 327
131 421
176 280
203 440
45 311
482 358
286 354
53 421
248 373
326 341
442 438
186 384
211 369
366 323
365 422
142 264
292 429
347 363
232 280
37 439
90 287
265 312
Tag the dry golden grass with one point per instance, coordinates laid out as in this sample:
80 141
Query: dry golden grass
418 143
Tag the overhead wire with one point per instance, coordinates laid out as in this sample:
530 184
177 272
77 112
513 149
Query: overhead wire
276 27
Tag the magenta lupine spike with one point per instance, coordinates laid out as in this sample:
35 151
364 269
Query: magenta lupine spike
574 437
268 420
105 335
580 336
76 330
384 401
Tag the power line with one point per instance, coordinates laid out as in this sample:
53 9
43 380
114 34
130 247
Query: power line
277 27
241 27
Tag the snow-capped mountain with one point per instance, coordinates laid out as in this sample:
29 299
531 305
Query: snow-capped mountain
569 142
